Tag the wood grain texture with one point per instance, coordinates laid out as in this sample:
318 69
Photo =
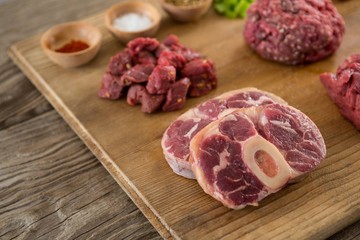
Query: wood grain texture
20 19
51 186
19 100
58 189
325 202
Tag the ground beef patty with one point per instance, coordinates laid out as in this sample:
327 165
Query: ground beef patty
294 31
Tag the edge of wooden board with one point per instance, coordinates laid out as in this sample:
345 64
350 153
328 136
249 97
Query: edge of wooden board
16 54
91 144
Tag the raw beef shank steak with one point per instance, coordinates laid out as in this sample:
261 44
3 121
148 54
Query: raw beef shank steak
252 152
176 139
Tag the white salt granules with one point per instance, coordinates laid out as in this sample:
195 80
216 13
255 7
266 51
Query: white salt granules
132 22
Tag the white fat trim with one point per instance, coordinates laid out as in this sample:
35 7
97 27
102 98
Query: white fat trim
283 125
212 129
178 165
191 131
238 189
189 114
251 113
199 174
226 112
230 117
222 162
198 114
263 120
264 98
218 195
226 95
181 168
258 102
196 119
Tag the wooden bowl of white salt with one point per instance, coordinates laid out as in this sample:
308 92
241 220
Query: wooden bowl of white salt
129 20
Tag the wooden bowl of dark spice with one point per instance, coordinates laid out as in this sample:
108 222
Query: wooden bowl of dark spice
71 44
186 10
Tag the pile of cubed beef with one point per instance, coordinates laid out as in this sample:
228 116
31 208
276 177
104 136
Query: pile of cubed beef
157 75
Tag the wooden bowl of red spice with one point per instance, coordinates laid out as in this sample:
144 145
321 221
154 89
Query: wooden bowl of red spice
71 44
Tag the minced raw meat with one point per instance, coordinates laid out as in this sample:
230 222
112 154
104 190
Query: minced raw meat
294 31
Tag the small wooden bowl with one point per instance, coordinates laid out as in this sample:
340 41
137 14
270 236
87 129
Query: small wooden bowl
186 13
132 7
59 35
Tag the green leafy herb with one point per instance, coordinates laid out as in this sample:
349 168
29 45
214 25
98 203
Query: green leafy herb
232 8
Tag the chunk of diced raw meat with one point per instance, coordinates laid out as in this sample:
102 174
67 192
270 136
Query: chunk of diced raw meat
111 86
173 44
120 63
353 59
161 49
135 93
176 95
188 53
202 76
157 66
149 103
137 74
170 40
245 156
168 58
177 137
344 88
145 57
143 44
160 79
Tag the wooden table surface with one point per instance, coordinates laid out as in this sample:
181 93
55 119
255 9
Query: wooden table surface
51 186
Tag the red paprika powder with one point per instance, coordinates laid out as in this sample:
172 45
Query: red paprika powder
73 46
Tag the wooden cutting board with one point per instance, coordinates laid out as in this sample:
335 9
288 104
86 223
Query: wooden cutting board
127 142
